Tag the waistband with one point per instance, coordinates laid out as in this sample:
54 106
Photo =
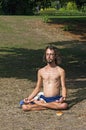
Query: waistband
50 99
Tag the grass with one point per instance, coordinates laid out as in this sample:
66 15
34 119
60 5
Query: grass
22 43
23 39
69 19
14 31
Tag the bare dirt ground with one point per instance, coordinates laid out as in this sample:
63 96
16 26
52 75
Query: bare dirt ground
12 90
13 118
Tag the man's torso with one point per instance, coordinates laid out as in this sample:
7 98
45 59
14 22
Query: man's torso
51 81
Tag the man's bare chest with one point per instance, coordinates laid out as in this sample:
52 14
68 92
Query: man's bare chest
50 75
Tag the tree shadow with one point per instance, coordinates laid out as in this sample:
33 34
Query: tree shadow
20 62
74 62
23 64
74 57
78 93
76 25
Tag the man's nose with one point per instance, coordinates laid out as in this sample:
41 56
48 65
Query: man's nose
49 55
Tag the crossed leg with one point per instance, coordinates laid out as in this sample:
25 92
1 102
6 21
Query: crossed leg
32 107
42 106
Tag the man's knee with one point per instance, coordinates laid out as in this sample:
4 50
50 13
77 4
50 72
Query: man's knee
64 106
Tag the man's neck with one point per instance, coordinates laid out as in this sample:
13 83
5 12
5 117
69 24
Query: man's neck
51 65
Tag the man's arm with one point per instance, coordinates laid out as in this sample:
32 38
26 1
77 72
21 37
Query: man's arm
37 88
64 89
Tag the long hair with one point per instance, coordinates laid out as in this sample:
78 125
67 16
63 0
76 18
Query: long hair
57 54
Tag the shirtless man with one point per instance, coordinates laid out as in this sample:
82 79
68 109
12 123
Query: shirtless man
52 78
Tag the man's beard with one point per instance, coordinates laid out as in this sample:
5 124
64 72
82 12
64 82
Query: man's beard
50 61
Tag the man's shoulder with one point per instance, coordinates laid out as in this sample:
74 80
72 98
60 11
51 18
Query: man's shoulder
60 69
41 69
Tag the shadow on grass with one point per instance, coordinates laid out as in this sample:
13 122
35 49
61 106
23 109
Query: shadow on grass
74 62
78 93
24 63
76 25
20 62
63 20
74 57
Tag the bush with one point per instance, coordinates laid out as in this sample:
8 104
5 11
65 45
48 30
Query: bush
70 10
71 6
62 9
65 12
46 19
61 12
48 11
68 27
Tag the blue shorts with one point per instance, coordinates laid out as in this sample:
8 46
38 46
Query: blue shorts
46 99
50 99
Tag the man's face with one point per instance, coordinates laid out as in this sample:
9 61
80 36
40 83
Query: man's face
50 56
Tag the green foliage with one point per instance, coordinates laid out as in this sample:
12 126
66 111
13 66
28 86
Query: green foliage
19 7
69 27
53 4
65 12
62 9
26 7
70 10
46 19
71 6
48 11
61 12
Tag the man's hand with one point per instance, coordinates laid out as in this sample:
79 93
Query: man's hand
41 102
64 98
61 100
26 100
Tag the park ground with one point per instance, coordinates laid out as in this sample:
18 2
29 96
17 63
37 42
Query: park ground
22 43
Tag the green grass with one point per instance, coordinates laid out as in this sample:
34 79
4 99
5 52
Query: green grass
22 42
69 19
15 31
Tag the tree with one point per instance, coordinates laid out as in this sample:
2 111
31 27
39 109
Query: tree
27 6
80 3
17 6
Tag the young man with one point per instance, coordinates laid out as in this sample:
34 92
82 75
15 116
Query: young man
52 78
